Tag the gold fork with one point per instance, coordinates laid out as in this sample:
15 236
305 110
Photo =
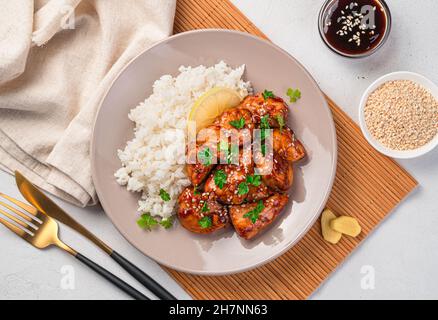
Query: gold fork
41 231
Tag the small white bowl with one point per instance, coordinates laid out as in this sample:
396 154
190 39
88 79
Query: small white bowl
401 75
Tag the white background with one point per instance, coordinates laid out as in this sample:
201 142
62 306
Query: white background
403 250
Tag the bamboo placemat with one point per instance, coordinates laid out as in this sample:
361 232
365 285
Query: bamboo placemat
368 186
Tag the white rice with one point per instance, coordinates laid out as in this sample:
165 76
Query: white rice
155 158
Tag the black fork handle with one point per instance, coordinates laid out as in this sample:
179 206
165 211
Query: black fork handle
112 278
143 278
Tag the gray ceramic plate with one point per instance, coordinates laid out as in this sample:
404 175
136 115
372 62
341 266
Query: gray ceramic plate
268 67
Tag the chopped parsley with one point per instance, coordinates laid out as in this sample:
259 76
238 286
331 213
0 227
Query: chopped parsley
167 223
164 195
264 149
147 222
253 215
293 94
238 124
220 178
268 94
243 188
196 191
205 208
265 127
205 222
205 156
264 122
255 180
281 122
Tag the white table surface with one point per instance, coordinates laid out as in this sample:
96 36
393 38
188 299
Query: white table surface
403 249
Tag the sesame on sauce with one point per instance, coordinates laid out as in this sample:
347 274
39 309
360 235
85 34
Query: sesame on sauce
355 27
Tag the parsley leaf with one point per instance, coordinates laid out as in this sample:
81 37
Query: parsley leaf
205 156
147 222
268 94
238 124
220 178
243 188
205 222
255 180
205 208
265 127
196 191
294 95
167 223
281 122
253 215
264 122
264 149
264 134
164 195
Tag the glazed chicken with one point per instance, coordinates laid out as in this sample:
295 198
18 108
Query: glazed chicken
235 176
251 191
199 171
277 174
209 135
287 146
250 219
236 120
275 108
200 212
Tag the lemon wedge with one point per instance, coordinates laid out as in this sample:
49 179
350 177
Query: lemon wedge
212 104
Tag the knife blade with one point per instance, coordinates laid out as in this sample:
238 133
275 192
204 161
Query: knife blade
47 206
44 204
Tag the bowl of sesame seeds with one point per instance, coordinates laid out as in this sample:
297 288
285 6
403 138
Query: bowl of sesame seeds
398 115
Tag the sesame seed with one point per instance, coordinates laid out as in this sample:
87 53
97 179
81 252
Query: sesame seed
402 115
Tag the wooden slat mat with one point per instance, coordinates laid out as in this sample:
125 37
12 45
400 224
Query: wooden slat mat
368 186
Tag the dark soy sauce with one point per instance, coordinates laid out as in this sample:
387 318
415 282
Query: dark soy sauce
355 27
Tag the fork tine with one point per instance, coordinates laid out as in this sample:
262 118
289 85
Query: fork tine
33 211
17 212
15 219
13 227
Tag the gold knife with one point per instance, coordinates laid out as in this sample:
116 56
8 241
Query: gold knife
40 201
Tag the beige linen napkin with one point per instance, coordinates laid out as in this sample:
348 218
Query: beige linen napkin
57 60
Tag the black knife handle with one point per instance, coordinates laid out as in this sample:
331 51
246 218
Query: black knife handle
112 278
143 278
